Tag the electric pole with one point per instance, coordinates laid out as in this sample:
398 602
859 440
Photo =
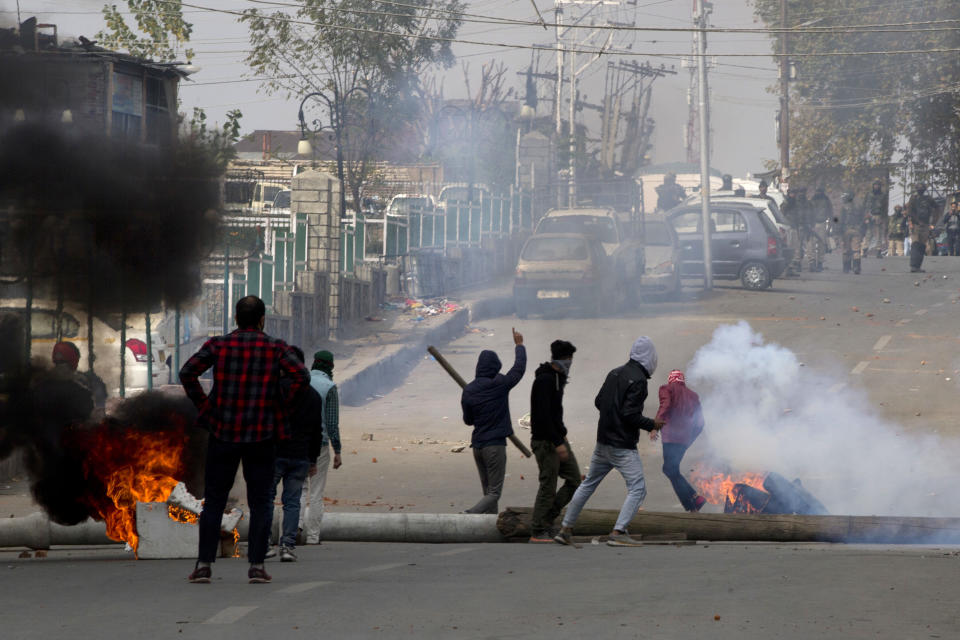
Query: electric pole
703 8
784 97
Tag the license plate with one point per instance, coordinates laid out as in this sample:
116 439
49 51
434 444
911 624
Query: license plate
552 295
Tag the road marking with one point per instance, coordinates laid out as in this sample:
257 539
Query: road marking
230 615
857 370
304 586
938 304
920 312
903 322
454 552
882 342
383 567
835 388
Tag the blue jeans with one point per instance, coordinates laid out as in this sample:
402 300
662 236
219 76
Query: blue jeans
672 455
605 459
294 474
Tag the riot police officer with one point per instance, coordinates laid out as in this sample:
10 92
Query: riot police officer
822 210
851 227
669 194
922 213
875 206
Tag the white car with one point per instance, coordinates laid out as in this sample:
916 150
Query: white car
106 336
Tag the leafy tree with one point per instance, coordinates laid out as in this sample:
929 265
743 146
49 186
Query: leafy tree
159 33
363 59
218 143
858 112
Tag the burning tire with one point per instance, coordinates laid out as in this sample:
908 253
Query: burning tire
755 276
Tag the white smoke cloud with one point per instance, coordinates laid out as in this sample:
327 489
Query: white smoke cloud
766 412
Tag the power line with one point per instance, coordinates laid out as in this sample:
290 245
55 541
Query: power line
586 50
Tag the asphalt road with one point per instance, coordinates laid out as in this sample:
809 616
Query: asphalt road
889 333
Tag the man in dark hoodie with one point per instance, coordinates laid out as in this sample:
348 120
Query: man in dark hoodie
620 403
548 440
485 406
293 458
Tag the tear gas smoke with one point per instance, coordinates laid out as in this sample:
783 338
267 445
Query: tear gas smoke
766 412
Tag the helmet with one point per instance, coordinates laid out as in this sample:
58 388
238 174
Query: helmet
921 187
763 184
847 197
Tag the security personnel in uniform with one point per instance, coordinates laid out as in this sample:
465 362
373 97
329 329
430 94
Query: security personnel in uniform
851 227
876 205
922 213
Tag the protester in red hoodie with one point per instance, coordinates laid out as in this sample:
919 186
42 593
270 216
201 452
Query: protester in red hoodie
682 416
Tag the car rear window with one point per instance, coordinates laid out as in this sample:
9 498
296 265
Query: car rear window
549 249
720 221
603 228
656 234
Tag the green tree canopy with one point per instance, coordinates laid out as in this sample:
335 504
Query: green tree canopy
862 111
159 32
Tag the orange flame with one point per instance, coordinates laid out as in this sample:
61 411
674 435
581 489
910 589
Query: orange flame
182 515
127 466
717 488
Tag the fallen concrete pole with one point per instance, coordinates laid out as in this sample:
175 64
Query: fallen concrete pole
514 522
410 527
161 537
36 531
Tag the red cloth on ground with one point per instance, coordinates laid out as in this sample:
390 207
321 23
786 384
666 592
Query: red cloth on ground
681 412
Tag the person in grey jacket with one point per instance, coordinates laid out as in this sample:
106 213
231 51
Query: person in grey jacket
620 403
485 406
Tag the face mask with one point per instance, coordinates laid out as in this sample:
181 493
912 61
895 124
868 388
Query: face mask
565 365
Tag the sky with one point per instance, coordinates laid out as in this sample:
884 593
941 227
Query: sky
742 109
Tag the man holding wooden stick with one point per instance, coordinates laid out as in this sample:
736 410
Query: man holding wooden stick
485 407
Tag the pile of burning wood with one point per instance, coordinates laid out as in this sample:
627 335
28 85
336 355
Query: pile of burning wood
778 496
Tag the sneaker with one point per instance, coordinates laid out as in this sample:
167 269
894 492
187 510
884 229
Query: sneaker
271 553
287 555
698 503
200 575
622 540
258 575
541 537
563 537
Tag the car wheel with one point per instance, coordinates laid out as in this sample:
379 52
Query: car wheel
755 276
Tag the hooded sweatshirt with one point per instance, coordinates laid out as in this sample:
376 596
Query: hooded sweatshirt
485 400
620 400
681 412
546 405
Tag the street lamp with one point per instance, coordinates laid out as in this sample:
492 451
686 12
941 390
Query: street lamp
305 148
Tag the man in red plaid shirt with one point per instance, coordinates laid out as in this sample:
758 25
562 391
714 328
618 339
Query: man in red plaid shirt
245 414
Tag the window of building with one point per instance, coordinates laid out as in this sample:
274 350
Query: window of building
159 129
127 106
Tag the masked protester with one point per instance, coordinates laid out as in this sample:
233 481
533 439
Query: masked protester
922 212
620 403
682 419
485 406
548 441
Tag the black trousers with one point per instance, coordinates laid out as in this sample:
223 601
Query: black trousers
917 249
223 459
672 455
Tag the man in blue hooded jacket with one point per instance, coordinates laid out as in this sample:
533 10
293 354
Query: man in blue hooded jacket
485 406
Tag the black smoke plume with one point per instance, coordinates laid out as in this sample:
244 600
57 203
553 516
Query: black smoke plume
108 227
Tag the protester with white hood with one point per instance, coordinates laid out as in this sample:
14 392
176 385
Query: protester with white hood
620 403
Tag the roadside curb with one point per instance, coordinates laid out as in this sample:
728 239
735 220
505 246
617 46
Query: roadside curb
384 374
